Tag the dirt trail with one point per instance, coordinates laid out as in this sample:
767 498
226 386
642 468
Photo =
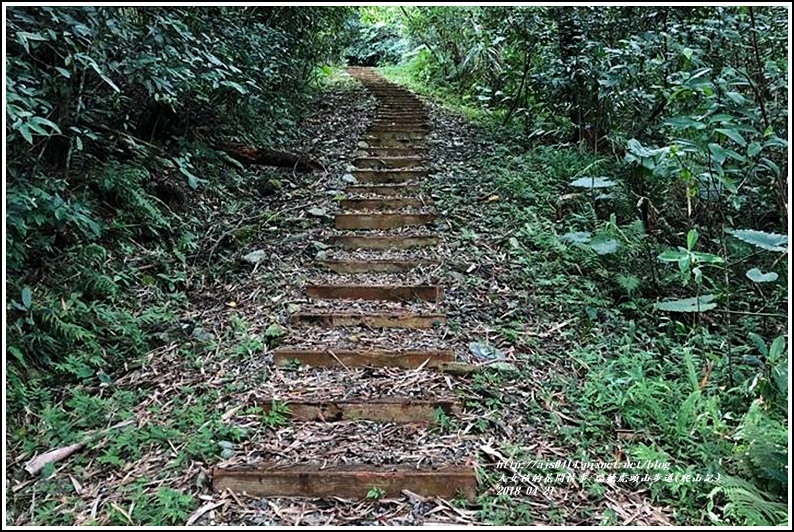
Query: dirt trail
387 180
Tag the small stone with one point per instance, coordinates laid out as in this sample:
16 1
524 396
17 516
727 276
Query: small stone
362 144
295 238
255 257
317 211
201 335
292 308
485 352
321 255
349 178
320 245
275 330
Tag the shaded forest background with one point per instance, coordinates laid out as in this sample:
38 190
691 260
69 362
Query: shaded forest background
117 119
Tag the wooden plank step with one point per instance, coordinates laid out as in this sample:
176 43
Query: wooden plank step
375 163
394 133
400 119
388 176
381 221
385 242
361 204
346 481
357 358
392 320
381 410
384 190
386 151
376 292
393 126
391 142
407 116
365 266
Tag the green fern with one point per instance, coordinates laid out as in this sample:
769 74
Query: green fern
123 184
764 448
628 282
745 504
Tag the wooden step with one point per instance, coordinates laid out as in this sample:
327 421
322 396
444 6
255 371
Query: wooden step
383 190
379 265
395 126
392 142
357 204
346 481
381 221
375 163
357 358
395 133
376 292
381 410
388 176
393 320
386 151
408 117
384 242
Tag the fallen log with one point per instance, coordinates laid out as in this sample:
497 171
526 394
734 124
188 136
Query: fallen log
270 157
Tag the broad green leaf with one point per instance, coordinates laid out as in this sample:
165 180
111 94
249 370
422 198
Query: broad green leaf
236 86
777 348
718 153
733 135
604 246
24 130
736 98
753 149
757 276
706 258
766 163
684 121
735 155
690 304
27 297
39 121
578 237
691 238
776 141
761 239
634 146
592 182
673 256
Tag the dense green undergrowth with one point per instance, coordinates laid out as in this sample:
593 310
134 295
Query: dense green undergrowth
705 392
117 119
